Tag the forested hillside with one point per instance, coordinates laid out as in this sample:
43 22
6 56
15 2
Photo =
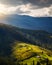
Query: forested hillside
24 47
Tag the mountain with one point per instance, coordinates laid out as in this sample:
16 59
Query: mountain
18 45
28 22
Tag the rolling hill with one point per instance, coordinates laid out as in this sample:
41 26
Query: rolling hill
28 54
20 46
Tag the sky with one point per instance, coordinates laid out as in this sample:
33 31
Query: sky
35 8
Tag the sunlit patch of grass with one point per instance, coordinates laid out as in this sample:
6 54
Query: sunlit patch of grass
27 53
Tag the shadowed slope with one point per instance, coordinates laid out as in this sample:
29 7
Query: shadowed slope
8 35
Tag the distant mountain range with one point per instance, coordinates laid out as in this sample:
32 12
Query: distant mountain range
27 22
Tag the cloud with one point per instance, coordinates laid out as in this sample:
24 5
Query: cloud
50 11
35 8
29 10
11 2
39 3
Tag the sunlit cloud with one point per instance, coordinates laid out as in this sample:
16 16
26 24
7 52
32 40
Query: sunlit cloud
26 8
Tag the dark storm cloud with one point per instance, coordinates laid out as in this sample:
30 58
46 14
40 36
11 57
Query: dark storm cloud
40 3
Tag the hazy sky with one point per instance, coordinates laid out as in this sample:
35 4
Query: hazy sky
26 7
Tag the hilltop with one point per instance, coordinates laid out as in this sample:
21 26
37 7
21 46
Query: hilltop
29 54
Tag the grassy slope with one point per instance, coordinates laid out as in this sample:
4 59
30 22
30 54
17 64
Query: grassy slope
27 53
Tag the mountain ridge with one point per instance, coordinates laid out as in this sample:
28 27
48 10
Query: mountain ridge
28 22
